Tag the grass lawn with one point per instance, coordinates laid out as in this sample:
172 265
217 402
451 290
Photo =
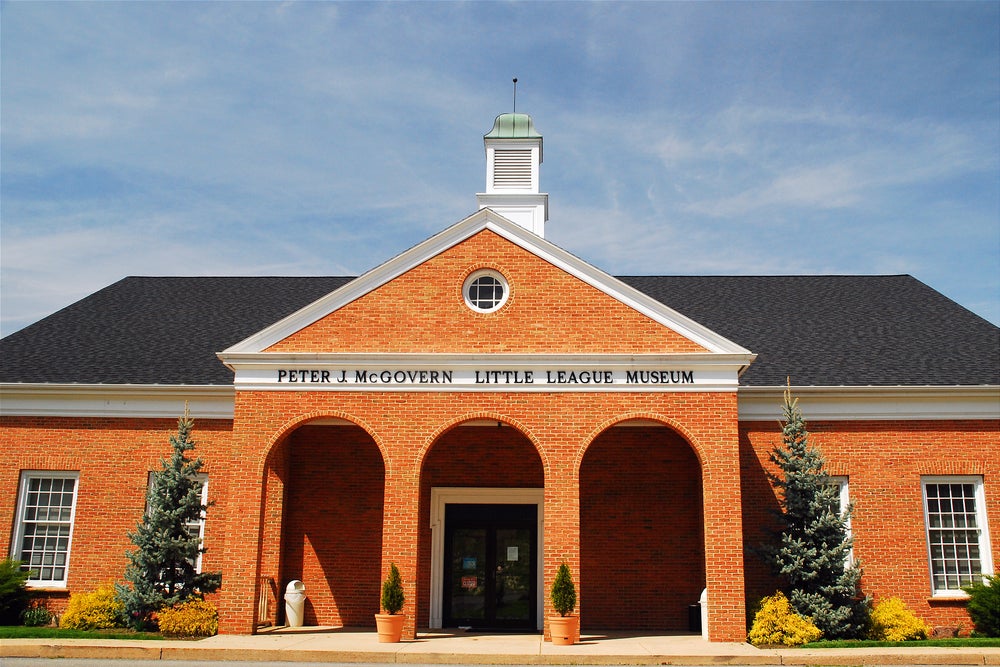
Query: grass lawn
957 642
22 632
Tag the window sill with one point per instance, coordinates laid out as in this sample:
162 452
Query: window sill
55 588
961 598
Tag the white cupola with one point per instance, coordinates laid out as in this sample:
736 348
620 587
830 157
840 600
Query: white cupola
513 155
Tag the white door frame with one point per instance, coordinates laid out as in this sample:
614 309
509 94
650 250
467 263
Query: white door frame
454 495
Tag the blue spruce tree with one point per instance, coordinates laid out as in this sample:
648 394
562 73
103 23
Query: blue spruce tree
813 552
162 569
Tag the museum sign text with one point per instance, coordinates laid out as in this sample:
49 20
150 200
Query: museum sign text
426 377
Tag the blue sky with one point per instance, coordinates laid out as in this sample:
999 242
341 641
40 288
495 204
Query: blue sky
324 138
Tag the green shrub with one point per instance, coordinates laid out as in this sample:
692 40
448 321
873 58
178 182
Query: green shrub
563 592
775 623
392 591
194 618
36 616
13 594
892 621
984 605
93 611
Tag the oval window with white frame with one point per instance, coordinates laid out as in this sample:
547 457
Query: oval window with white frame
486 291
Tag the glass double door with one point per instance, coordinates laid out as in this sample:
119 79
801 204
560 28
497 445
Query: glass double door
490 577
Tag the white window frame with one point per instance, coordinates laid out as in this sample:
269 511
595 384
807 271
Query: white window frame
485 273
843 488
203 478
17 547
982 528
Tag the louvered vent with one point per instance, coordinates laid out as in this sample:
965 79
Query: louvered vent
512 168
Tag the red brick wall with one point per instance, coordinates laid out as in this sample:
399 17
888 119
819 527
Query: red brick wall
424 311
113 457
884 462
333 523
410 436
276 480
642 545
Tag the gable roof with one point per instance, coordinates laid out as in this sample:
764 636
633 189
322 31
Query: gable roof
486 219
819 330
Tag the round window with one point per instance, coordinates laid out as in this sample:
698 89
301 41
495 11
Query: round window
485 291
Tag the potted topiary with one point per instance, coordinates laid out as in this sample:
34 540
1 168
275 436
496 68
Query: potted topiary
390 624
564 628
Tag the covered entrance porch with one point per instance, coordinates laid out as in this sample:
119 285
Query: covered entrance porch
401 475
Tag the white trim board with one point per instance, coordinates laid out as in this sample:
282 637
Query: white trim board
117 400
873 403
755 403
271 371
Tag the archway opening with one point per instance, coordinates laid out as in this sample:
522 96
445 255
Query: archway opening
642 555
332 527
480 540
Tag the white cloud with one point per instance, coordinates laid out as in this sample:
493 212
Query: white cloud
326 137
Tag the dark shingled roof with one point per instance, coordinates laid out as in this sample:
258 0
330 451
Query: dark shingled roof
838 330
154 330
817 330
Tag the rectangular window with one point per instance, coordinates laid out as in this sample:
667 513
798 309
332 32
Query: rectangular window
958 542
45 512
194 527
840 483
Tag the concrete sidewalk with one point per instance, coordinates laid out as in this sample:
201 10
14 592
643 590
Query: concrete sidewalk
362 646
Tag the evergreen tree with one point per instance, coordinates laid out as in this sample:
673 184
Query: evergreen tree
162 569
813 545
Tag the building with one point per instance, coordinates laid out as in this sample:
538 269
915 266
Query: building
486 406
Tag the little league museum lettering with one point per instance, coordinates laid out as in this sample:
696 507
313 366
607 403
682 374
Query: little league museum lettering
561 377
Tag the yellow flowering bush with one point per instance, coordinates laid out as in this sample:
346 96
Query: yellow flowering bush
194 618
93 611
776 623
892 621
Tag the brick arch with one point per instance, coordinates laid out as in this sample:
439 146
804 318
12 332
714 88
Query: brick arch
326 483
668 422
438 432
445 461
281 434
641 526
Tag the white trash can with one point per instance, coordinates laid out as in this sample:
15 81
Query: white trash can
295 602
704 613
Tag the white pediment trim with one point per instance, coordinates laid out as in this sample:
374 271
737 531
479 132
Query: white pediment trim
475 223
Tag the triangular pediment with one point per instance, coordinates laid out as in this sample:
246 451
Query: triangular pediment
413 303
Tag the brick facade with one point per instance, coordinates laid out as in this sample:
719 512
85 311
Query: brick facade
328 524
114 458
883 462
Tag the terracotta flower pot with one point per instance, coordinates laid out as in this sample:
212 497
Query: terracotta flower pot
390 627
564 630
